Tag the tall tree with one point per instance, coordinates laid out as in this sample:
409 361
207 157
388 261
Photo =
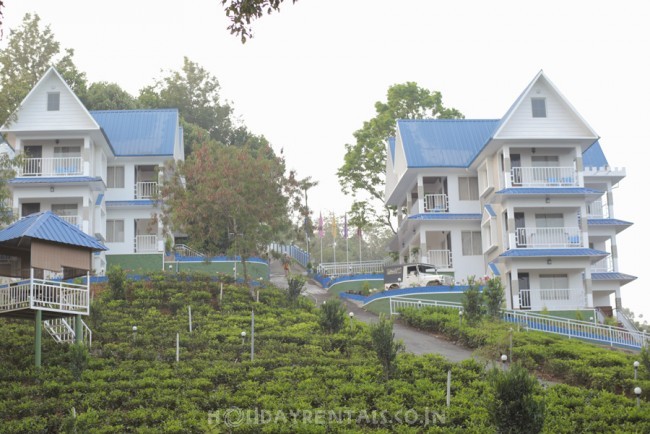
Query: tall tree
363 169
228 199
31 50
242 12
108 96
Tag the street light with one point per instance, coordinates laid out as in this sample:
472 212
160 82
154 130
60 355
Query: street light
504 359
460 317
637 392
351 314
636 368
135 332
243 337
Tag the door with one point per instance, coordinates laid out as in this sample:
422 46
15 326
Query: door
524 291
515 162
33 165
520 229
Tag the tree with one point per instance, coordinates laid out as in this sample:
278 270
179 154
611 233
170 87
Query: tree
108 96
472 302
364 165
6 173
332 316
195 93
385 345
515 408
30 51
228 199
493 293
242 12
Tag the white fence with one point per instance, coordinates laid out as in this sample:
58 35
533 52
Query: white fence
335 269
146 243
552 299
146 190
58 166
440 258
544 177
56 296
397 303
436 203
548 237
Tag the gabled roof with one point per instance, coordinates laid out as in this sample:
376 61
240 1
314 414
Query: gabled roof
48 226
139 132
594 156
444 142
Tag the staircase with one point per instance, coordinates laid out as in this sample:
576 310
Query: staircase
62 330
183 250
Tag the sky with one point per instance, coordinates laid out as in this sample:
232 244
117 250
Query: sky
311 75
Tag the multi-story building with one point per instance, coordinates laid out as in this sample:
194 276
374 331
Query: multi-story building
99 170
527 197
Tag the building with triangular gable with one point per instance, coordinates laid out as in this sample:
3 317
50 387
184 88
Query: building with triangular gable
100 171
527 197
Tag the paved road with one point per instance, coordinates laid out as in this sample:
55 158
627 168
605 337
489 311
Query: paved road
415 341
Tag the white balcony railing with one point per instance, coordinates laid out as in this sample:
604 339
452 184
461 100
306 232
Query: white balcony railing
335 269
146 190
58 166
597 210
146 243
436 203
548 237
552 299
440 258
544 177
605 265
72 219
57 296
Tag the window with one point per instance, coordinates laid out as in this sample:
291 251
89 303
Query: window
114 231
53 101
468 188
539 107
554 287
115 177
67 151
66 209
545 161
471 243
549 220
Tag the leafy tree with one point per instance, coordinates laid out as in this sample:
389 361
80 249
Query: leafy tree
296 285
515 408
385 345
108 96
364 166
6 173
116 282
493 293
228 199
472 302
242 12
332 316
31 50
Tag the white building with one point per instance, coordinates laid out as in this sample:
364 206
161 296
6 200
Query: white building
99 170
527 197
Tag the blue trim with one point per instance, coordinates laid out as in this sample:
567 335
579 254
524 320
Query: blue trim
549 190
490 210
612 222
458 289
530 253
100 198
141 202
53 179
444 216
612 276
494 268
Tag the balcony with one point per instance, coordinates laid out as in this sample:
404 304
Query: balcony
146 243
146 190
552 299
436 203
49 167
48 295
544 177
440 258
597 210
72 219
545 238
605 265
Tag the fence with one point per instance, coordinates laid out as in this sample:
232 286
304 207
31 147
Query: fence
397 303
295 252
335 269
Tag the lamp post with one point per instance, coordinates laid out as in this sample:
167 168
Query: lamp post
637 392
135 332
504 359
511 331
243 337
460 318
636 369
419 304
351 314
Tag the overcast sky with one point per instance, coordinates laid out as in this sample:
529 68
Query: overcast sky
313 72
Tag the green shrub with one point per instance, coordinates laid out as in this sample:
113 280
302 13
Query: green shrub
472 302
332 316
493 293
116 282
385 345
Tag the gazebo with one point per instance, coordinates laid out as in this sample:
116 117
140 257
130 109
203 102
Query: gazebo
41 253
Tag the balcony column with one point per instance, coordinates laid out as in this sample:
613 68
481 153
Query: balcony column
85 215
400 216
512 239
409 204
614 248
512 301
610 202
38 321
580 168
584 227
86 157
507 167
424 255
589 295
420 194
617 299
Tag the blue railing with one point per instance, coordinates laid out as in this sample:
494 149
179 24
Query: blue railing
295 252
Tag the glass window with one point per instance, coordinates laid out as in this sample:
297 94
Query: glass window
539 107
66 209
471 241
114 231
549 220
468 188
67 151
545 161
53 101
115 177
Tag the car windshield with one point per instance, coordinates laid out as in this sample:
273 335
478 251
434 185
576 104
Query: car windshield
425 269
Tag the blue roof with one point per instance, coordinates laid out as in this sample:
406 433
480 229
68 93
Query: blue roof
48 226
444 142
549 190
494 268
139 132
490 210
444 216
526 253
594 156
608 222
612 276
54 180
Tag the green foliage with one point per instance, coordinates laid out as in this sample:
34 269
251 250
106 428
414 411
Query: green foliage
242 12
364 165
108 96
579 316
78 360
332 316
493 293
645 361
472 302
296 285
116 282
515 408
385 345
